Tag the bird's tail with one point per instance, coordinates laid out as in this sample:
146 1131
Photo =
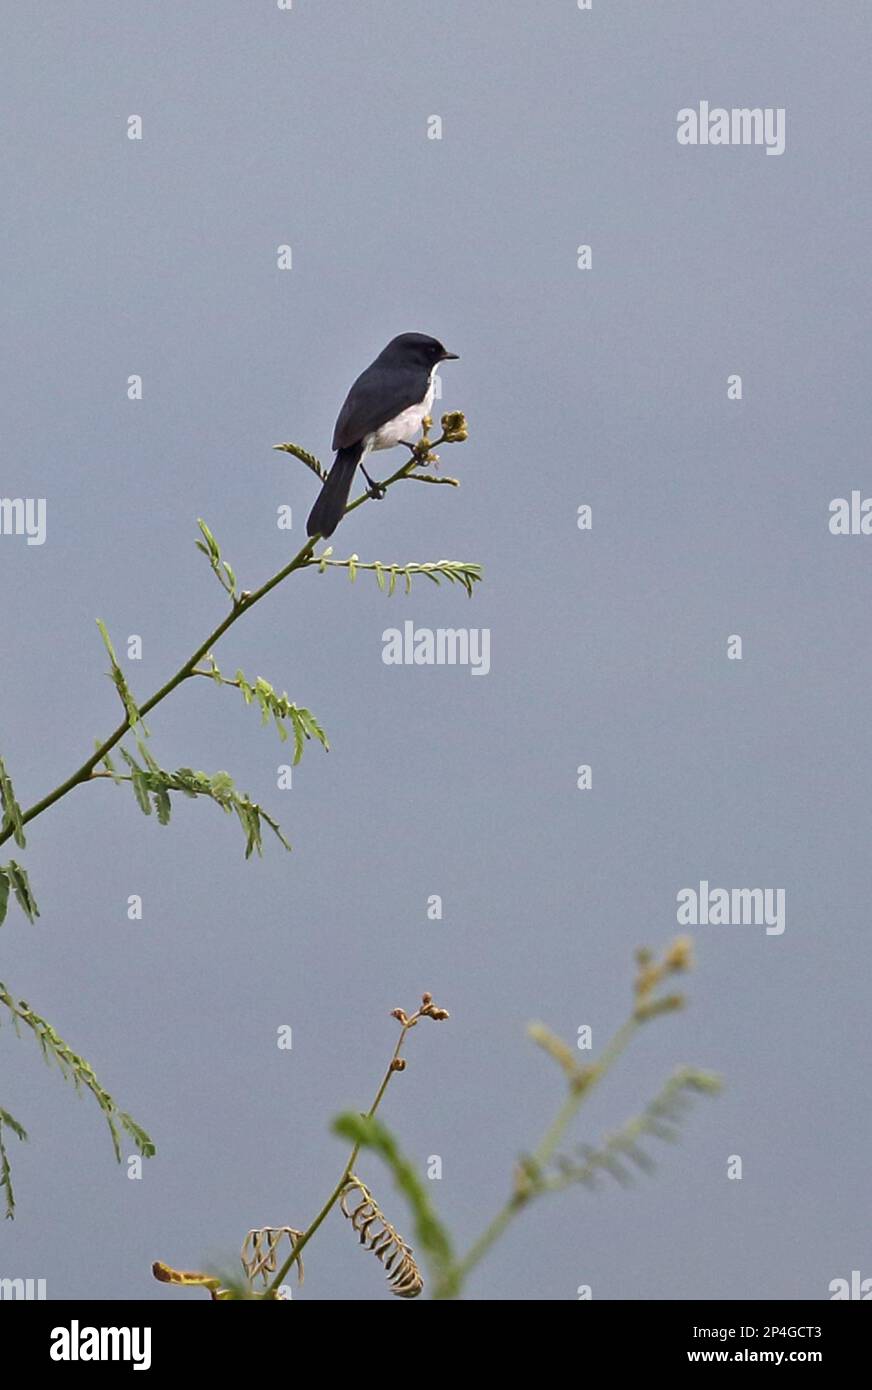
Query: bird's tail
329 506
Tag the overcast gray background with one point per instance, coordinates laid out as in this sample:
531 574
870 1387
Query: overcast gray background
607 387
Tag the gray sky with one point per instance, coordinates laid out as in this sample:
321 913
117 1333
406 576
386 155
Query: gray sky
606 387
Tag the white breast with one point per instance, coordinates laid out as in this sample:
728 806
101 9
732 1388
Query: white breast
406 425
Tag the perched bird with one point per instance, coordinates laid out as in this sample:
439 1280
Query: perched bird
384 407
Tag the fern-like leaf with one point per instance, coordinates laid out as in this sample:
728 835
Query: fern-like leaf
305 457
153 784
369 1133
460 572
119 680
282 711
220 568
619 1153
11 817
13 876
9 1122
287 717
74 1068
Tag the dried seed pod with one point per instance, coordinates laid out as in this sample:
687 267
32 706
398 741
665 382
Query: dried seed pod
378 1235
260 1251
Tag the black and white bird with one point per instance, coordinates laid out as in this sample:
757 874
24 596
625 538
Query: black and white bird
384 407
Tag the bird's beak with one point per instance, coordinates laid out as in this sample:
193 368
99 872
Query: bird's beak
449 357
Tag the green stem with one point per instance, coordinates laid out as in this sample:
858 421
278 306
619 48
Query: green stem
83 773
541 1155
346 1171
242 605
552 1137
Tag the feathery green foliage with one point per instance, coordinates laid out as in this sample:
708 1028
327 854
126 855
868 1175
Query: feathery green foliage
119 680
11 818
9 1122
13 876
279 708
220 568
455 571
305 457
544 1170
660 1119
440 479
153 784
72 1068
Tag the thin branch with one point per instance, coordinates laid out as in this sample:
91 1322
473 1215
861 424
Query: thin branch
242 603
648 1003
246 601
396 1063
74 1068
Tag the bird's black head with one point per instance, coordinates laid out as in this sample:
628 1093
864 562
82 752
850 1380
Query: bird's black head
415 349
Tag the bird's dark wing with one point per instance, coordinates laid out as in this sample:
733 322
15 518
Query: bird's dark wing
377 396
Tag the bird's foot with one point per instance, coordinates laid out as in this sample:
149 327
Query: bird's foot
376 490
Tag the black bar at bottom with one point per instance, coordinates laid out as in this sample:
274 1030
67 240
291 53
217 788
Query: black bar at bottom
199 1337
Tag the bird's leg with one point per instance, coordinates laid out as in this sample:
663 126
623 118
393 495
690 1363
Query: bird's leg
420 451
376 490
416 453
